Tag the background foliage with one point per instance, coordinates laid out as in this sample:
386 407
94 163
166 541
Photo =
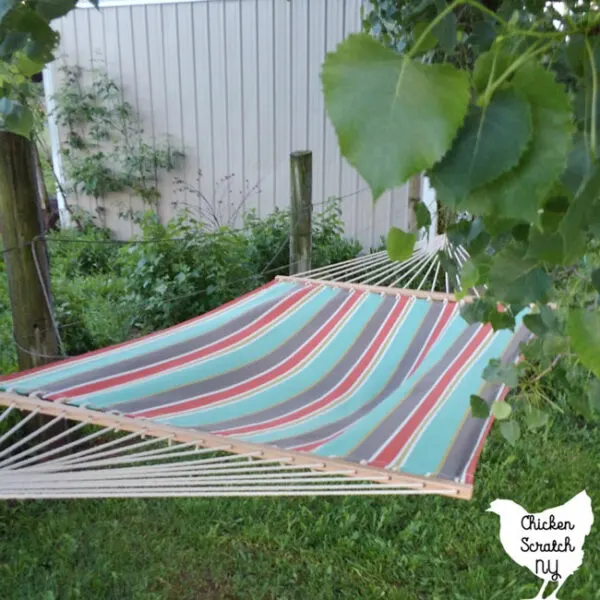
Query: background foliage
498 103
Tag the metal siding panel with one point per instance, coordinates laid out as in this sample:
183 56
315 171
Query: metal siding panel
189 103
316 106
204 110
299 84
218 52
158 94
282 114
235 101
267 57
331 163
249 52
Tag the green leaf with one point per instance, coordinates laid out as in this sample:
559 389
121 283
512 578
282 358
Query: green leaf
394 117
6 6
515 278
423 216
479 407
535 324
483 35
469 275
535 418
520 193
400 244
511 431
26 66
574 222
490 143
583 327
429 42
52 9
498 372
494 62
475 311
501 410
553 345
501 320
15 117
593 394
445 30
579 164
596 279
547 247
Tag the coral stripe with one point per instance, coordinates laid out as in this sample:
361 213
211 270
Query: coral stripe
343 387
60 363
389 452
264 321
263 379
447 312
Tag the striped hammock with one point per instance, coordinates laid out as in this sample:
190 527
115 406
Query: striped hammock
306 386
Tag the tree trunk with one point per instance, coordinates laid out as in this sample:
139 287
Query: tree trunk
22 233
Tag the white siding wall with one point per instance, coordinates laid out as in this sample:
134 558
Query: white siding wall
235 84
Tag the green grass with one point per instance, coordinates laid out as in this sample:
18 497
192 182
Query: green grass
403 548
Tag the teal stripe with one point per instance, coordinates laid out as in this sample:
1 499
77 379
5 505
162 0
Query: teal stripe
209 323
210 367
429 451
377 379
345 442
326 358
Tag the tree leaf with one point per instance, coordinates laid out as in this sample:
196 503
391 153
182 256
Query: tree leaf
501 410
547 247
575 220
445 30
596 279
469 275
483 35
400 245
423 215
498 372
479 407
6 6
520 193
536 418
394 117
579 165
490 143
515 278
429 42
15 117
501 320
535 324
52 9
511 431
583 327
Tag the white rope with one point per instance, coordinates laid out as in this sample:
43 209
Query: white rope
205 493
19 425
366 257
31 436
41 445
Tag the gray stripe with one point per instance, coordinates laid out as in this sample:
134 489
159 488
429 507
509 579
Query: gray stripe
395 381
161 354
241 374
470 432
385 430
327 383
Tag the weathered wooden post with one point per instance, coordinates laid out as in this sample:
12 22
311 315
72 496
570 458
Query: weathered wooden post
301 209
22 234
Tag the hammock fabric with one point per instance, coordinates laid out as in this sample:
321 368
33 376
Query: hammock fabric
377 379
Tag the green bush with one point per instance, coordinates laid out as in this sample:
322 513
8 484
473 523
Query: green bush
105 292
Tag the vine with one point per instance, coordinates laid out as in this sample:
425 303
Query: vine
104 150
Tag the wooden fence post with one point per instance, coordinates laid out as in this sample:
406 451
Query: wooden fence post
301 211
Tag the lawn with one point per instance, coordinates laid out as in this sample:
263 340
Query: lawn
405 548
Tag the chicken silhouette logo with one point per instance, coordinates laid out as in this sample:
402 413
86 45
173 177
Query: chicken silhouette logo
550 543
